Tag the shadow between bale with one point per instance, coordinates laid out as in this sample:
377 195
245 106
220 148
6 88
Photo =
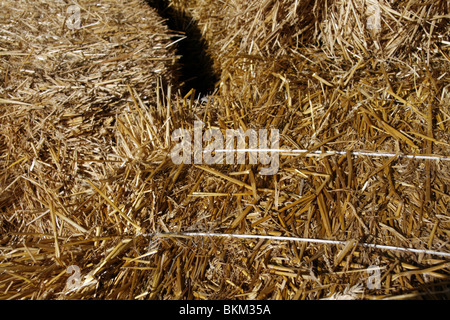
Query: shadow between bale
195 66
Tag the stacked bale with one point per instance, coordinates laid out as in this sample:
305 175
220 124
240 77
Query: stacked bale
88 181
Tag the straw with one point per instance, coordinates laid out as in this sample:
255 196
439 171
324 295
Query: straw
92 94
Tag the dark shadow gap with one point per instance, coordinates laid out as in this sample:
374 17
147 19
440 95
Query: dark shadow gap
196 66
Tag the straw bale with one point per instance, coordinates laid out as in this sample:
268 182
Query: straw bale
85 135
65 93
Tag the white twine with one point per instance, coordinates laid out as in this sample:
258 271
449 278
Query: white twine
353 153
313 240
297 239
